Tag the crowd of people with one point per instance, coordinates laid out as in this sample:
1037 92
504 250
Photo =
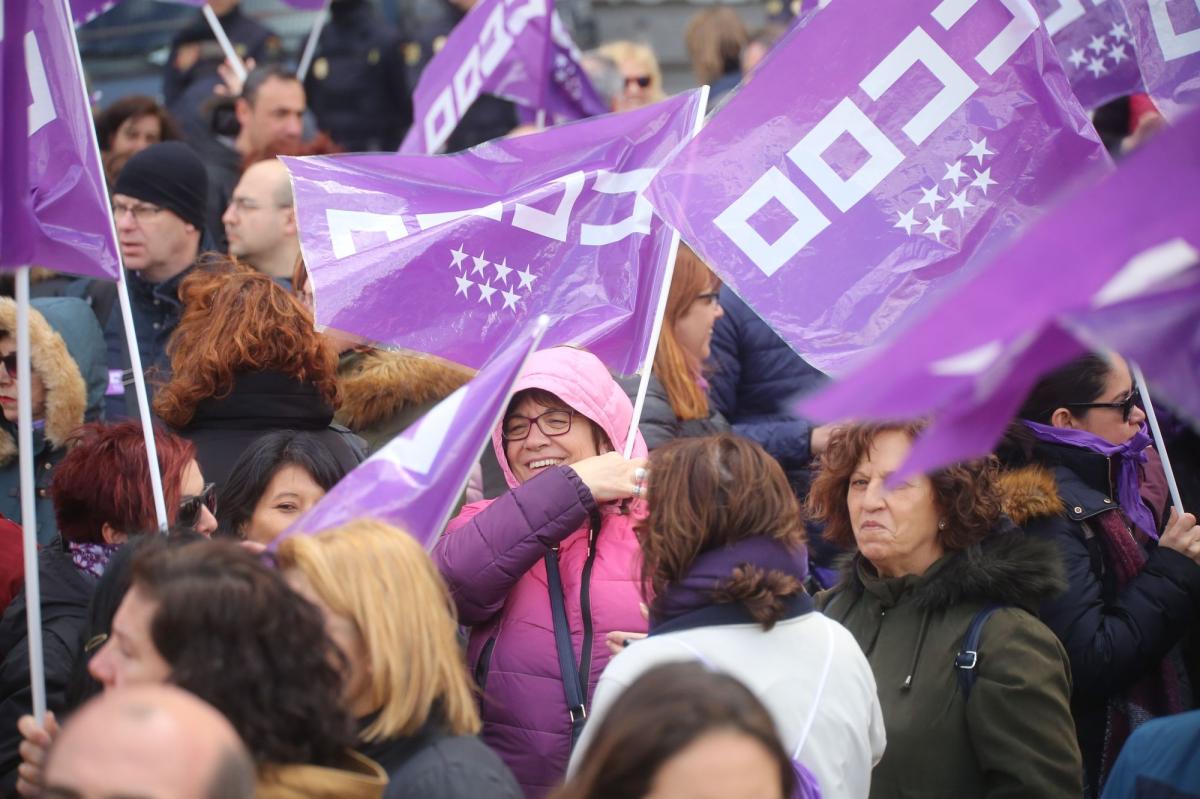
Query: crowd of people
748 606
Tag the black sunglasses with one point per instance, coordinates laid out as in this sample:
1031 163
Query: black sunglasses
10 363
641 80
189 506
1125 406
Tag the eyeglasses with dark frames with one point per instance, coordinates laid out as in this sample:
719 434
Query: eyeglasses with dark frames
1125 406
552 423
189 506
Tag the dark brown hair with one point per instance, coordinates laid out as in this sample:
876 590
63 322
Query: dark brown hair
548 399
665 710
966 495
110 119
715 38
706 493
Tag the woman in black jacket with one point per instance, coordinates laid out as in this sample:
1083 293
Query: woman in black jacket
1082 465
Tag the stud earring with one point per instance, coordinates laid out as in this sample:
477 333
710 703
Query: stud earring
941 525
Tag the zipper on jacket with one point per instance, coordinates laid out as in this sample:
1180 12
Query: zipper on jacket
484 663
585 606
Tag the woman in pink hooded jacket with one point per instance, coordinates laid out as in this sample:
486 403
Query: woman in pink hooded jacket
559 445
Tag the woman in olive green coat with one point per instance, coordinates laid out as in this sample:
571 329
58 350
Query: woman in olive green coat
932 553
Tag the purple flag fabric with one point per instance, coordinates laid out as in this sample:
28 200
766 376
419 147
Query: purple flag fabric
16 208
971 359
860 167
415 480
1096 47
73 229
1167 36
452 254
570 94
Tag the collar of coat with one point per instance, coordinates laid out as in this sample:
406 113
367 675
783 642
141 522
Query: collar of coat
1076 486
377 384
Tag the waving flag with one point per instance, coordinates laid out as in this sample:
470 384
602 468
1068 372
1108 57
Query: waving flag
415 481
72 227
862 166
1167 36
1096 47
975 354
510 48
16 207
454 254
570 95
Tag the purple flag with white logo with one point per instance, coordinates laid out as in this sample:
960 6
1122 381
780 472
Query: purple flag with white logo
453 254
16 208
416 479
1167 36
861 167
72 231
975 353
570 94
1096 47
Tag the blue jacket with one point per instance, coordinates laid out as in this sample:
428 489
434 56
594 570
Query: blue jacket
1159 761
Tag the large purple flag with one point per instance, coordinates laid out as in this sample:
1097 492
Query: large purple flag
415 480
974 355
16 207
861 166
1096 47
73 229
452 254
1167 36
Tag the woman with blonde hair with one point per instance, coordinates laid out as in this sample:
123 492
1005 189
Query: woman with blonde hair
391 616
639 67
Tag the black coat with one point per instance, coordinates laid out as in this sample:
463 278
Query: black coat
659 425
432 764
263 402
66 593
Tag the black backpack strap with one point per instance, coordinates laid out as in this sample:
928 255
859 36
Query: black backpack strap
572 685
967 658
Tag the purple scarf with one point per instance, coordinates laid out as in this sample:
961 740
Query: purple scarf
1127 457
92 558
714 567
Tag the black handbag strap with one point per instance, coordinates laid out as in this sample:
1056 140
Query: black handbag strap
967 658
572 685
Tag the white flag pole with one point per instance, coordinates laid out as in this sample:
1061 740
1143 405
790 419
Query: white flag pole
1159 444
223 39
33 591
639 402
135 359
310 46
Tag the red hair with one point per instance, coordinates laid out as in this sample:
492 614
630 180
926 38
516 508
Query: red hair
105 479
674 368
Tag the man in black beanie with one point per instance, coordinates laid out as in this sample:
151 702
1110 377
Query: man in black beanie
159 202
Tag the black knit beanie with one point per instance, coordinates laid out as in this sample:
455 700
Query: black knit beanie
170 175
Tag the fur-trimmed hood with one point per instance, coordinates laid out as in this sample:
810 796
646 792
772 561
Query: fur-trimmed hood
67 352
378 384
1028 493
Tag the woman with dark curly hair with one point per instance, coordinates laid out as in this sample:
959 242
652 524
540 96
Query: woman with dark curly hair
724 579
941 596
130 125
246 360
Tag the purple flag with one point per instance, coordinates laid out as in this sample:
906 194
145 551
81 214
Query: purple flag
16 211
1167 36
73 229
1096 47
570 94
862 166
452 254
973 356
415 481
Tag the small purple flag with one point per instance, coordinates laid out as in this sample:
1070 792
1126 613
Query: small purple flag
1167 37
453 254
570 95
973 356
416 479
1096 48
16 207
861 167
73 229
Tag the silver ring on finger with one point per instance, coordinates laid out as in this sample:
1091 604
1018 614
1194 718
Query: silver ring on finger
637 489
639 475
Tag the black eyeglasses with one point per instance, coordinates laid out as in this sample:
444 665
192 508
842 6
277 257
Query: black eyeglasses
189 506
1125 406
551 423
641 80
10 364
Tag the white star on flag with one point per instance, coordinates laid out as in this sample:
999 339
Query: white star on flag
960 203
1097 45
1077 57
485 293
510 300
502 271
1117 53
936 228
955 173
979 150
908 220
983 180
464 287
1118 32
931 197
458 255
1096 67
527 278
480 265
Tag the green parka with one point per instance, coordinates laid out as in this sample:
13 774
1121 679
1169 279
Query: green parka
1014 737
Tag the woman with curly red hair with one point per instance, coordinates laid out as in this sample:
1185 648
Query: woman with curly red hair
245 360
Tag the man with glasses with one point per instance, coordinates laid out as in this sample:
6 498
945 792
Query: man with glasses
260 222
159 203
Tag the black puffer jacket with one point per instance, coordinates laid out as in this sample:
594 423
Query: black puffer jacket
659 424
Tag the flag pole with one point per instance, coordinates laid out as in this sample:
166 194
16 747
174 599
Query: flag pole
639 402
223 39
135 359
310 46
1159 444
33 592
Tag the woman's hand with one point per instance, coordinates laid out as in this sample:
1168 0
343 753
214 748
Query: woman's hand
610 476
616 641
35 743
1182 535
